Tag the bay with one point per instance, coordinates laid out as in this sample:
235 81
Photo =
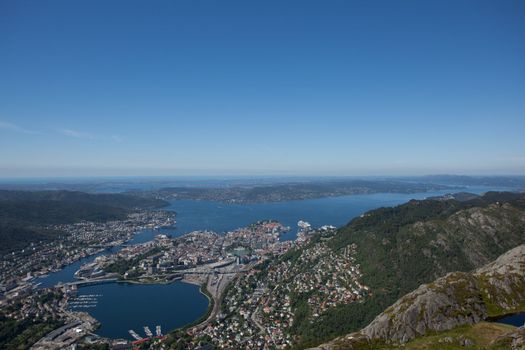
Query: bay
121 307
124 306
337 211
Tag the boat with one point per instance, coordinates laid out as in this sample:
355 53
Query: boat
148 331
135 335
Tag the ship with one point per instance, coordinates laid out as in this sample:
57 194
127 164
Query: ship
135 335
304 225
148 331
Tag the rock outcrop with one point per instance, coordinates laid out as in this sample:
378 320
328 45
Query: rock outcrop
453 300
447 303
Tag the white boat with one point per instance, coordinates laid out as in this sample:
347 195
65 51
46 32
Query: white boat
148 331
135 335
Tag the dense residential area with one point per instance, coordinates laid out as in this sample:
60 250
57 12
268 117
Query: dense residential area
266 306
195 253
76 241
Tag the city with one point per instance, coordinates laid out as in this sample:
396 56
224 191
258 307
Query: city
255 310
262 175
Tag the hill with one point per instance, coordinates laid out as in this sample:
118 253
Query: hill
422 240
400 248
24 215
448 312
118 200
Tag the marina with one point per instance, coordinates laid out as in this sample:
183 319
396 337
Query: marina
84 301
120 307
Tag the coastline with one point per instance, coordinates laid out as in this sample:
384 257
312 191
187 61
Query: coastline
197 321
43 274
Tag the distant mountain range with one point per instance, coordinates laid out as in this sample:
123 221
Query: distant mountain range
153 184
463 180
293 190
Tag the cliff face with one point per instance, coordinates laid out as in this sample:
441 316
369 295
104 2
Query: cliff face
456 299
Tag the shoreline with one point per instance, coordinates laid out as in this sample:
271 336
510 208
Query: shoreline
99 251
313 196
189 325
496 319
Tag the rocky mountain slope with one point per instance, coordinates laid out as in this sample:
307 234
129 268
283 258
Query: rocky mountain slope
457 299
400 248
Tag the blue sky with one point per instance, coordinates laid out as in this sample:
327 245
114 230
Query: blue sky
261 87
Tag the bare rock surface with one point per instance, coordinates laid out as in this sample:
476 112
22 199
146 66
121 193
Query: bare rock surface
453 300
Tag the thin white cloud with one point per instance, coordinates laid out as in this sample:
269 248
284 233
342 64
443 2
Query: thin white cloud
76 134
87 136
15 128
117 138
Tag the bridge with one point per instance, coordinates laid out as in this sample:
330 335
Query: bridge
91 282
226 267
211 272
109 246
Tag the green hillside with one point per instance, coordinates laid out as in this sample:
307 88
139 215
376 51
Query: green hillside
24 215
451 312
402 247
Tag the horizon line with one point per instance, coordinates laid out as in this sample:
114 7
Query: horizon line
244 176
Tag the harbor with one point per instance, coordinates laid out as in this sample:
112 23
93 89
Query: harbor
121 307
